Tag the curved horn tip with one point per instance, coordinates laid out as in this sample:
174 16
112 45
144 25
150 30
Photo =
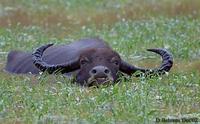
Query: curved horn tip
44 47
156 49
41 49
48 45
160 51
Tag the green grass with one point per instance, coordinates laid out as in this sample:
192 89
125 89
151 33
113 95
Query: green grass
55 99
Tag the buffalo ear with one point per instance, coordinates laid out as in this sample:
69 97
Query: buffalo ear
83 60
129 69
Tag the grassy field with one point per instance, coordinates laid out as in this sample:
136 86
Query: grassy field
130 27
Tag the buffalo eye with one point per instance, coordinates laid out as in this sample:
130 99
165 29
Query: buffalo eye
115 61
84 61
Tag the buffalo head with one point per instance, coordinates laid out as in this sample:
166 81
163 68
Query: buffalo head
99 65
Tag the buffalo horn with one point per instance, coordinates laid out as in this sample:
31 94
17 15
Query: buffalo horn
57 68
167 62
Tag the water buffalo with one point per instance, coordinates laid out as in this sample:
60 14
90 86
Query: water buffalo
92 62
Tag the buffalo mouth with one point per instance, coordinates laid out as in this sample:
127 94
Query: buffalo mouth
100 81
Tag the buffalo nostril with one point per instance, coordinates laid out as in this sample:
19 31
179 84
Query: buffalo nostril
106 71
94 71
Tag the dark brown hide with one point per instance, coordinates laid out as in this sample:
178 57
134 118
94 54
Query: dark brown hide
91 60
21 62
98 57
